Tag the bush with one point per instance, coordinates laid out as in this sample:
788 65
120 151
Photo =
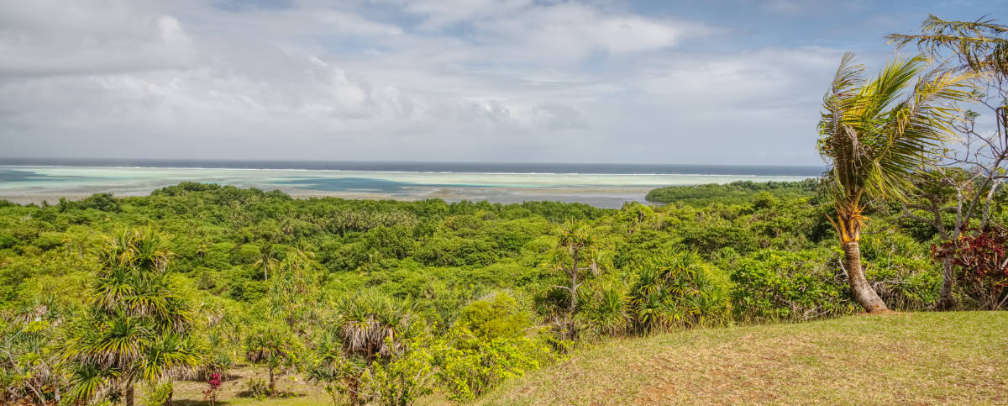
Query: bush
496 316
603 307
471 365
678 289
393 242
256 388
457 251
48 240
981 260
900 269
158 394
783 285
404 378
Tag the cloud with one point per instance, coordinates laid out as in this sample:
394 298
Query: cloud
512 80
41 38
522 30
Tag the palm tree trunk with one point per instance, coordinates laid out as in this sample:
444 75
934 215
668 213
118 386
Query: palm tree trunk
355 399
129 394
573 289
171 394
863 292
272 385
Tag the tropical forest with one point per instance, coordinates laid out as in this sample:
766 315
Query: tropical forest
882 281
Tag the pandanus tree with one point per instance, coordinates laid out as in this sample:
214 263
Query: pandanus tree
294 294
30 367
875 135
370 328
273 345
137 328
576 262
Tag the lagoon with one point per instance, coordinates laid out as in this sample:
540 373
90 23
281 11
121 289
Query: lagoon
598 185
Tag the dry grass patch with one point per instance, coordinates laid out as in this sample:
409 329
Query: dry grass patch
899 358
906 358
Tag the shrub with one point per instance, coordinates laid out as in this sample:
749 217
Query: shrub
982 263
678 289
784 285
486 345
457 251
604 307
256 388
393 242
900 268
48 240
213 387
498 315
471 365
158 393
7 240
405 377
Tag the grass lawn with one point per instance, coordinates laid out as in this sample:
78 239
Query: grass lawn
899 358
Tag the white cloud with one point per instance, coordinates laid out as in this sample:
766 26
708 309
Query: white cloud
470 80
45 38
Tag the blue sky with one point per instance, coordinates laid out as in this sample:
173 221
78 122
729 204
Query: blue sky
707 82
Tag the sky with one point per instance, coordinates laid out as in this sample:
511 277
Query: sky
675 82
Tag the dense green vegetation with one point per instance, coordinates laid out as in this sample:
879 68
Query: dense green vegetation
359 295
732 193
387 302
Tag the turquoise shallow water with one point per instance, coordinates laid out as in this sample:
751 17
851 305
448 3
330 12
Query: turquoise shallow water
34 183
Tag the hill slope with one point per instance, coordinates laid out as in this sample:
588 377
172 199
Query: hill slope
908 358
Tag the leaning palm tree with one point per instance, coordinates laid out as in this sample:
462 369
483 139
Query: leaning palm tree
876 134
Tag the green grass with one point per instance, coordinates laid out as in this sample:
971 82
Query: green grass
899 358
909 358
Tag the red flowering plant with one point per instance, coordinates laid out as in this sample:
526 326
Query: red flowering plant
214 385
981 260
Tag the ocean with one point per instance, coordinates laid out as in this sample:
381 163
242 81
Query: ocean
602 185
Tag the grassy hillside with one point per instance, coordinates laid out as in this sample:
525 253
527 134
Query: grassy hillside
900 358
904 358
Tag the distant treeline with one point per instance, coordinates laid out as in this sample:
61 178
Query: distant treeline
732 193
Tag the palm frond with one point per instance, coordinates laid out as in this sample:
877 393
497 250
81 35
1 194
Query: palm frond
979 45
876 134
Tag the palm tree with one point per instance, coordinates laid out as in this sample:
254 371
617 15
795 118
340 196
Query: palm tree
274 345
267 260
577 242
136 329
371 327
294 293
875 135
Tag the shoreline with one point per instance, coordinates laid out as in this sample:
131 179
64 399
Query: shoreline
599 197
35 185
